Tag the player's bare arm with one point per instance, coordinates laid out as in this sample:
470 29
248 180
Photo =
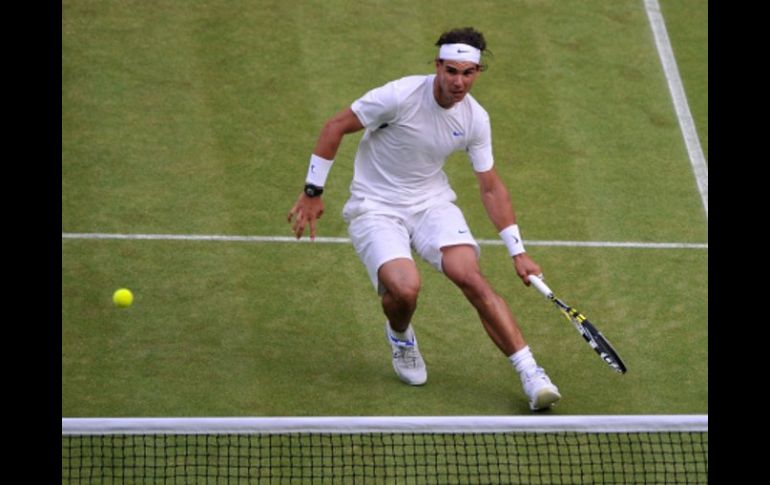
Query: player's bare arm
307 210
497 202
338 126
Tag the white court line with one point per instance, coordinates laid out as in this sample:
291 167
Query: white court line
344 240
686 123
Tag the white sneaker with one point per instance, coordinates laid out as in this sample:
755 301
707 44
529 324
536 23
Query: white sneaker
407 361
539 388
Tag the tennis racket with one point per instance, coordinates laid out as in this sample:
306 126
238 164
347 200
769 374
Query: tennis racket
590 333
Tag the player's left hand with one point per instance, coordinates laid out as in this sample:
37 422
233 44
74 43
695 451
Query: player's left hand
307 211
525 266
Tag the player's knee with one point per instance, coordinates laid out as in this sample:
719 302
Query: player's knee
473 284
470 281
405 292
460 264
401 281
464 274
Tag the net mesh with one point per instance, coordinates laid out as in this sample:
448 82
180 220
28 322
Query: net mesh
405 458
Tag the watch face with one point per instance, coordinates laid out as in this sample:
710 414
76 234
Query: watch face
313 191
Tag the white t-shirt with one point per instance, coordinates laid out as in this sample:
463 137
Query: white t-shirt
400 159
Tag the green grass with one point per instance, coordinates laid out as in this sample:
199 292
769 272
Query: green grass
199 117
252 337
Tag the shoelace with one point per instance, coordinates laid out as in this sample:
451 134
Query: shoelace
538 373
408 355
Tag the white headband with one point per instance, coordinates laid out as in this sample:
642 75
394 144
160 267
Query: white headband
459 52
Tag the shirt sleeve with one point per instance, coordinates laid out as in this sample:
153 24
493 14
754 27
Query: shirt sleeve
480 147
377 107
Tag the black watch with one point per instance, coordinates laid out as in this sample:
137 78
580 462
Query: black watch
313 190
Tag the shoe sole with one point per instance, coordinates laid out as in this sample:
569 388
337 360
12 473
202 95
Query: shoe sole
545 399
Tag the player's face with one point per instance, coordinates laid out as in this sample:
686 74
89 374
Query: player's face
454 80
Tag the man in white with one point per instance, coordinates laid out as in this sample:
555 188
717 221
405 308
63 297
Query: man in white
401 200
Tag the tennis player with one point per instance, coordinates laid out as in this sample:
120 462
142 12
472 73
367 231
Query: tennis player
401 201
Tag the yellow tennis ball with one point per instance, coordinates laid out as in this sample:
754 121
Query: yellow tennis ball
123 297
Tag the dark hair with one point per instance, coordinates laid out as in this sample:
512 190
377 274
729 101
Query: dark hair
465 35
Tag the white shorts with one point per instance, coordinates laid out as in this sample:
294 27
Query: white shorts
380 235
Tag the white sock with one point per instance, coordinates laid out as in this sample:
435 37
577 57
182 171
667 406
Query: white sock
523 360
405 336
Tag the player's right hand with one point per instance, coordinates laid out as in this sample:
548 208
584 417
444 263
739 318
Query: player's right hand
525 266
306 211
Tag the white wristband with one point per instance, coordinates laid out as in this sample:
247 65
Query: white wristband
318 170
512 239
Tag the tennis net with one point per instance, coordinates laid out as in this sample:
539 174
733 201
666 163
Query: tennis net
403 450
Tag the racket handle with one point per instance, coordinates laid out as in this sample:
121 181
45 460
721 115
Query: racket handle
541 286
